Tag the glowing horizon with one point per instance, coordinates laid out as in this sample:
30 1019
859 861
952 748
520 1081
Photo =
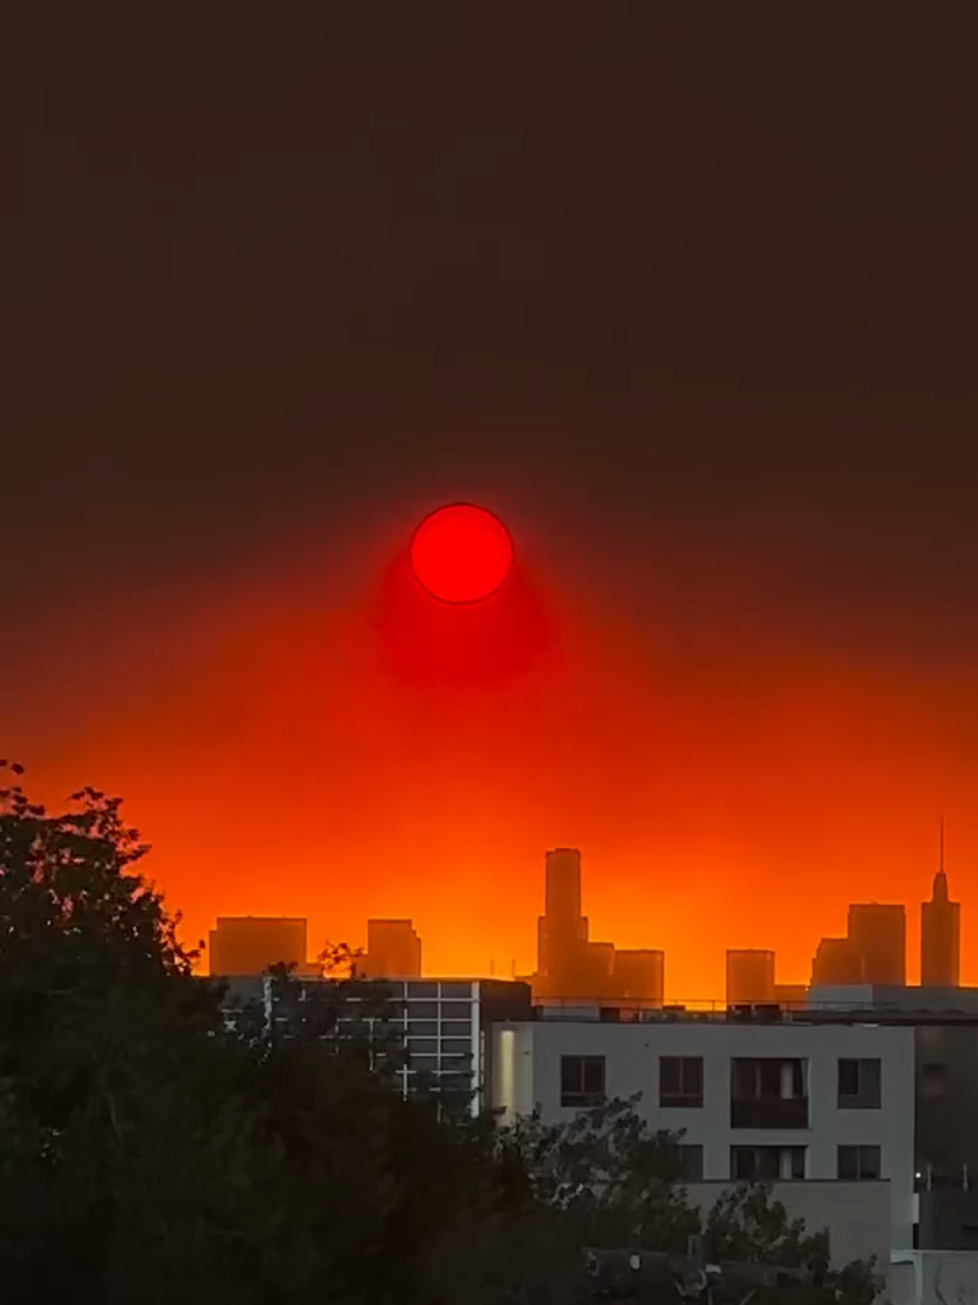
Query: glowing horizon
328 755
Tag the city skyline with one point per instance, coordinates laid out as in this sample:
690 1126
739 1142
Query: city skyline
489 508
708 363
570 964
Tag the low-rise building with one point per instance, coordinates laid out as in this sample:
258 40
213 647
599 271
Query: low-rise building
794 1101
443 1025
945 1028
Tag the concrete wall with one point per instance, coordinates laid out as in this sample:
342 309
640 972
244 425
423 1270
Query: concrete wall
948 1219
857 1215
933 1278
528 1074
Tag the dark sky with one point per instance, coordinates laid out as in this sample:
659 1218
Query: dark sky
267 261
695 297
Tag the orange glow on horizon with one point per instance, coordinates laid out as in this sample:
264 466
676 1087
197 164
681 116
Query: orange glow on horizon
372 753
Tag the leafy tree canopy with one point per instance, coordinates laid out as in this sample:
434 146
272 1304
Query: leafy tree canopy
151 1149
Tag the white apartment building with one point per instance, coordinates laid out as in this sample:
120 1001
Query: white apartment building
786 1102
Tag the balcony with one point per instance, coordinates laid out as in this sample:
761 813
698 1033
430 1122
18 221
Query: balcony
769 1112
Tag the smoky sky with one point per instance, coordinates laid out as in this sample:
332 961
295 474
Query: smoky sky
685 286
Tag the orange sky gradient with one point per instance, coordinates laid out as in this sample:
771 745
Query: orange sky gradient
313 736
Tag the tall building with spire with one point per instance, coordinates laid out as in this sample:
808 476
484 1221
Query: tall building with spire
940 934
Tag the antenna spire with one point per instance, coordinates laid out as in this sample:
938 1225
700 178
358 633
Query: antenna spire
940 879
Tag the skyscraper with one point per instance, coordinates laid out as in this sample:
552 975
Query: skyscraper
878 932
640 975
250 944
750 976
562 930
836 962
940 934
393 950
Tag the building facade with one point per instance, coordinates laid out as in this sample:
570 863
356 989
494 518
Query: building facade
791 1101
944 1023
443 1026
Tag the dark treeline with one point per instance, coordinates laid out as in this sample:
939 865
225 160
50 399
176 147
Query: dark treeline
149 1152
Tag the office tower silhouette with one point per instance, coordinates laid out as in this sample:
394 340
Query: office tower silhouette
750 976
837 962
569 965
940 934
250 944
393 950
878 932
562 931
639 975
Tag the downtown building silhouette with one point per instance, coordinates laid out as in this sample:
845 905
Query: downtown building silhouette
873 952
393 951
251 944
569 965
940 934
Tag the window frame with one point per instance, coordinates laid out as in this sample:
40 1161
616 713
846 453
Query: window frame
583 1097
865 1097
858 1152
798 1161
684 1098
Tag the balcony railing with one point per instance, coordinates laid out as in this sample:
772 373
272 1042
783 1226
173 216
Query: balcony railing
769 1112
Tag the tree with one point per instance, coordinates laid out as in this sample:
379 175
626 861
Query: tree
148 1152
617 1181
747 1225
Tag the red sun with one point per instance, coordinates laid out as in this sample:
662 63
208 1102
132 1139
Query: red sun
461 553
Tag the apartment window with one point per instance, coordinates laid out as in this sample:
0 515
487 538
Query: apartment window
933 1080
855 1162
691 1160
581 1080
859 1084
767 1092
766 1164
681 1081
